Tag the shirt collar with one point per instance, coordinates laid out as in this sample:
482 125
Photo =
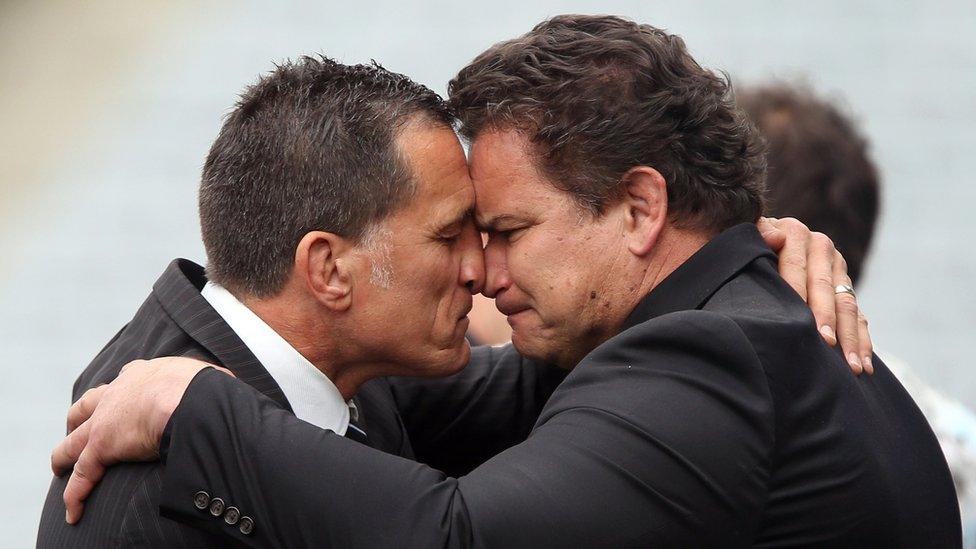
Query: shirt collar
178 292
697 279
313 396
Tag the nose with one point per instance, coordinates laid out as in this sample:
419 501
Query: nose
496 268
472 261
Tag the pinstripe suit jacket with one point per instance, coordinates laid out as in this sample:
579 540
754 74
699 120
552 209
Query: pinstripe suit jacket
456 423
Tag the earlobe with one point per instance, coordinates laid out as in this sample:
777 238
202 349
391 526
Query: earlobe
646 202
320 260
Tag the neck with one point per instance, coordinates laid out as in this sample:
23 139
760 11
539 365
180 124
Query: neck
674 248
300 324
627 283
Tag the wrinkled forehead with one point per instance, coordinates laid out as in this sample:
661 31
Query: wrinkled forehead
507 181
440 173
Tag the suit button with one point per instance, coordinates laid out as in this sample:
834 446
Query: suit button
232 515
216 507
201 500
247 526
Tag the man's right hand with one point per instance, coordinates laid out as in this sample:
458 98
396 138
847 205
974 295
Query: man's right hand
121 421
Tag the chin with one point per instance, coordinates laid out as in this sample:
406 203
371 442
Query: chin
462 357
446 362
532 348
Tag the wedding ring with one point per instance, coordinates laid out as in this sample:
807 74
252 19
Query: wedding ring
845 289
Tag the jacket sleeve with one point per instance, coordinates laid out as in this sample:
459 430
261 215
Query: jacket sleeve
661 436
457 422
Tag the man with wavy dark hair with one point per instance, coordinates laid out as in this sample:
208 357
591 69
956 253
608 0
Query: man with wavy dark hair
619 188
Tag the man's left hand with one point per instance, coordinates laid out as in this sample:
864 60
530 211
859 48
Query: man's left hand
810 263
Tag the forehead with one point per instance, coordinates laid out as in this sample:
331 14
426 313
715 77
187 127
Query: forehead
507 182
438 165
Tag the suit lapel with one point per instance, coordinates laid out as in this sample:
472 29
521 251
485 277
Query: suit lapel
178 291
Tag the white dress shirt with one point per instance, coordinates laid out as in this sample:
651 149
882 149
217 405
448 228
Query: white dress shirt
312 395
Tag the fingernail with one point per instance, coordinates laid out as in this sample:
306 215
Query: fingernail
67 516
828 333
868 367
855 362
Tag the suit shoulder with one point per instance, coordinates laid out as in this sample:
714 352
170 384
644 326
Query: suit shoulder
696 355
758 296
690 332
151 333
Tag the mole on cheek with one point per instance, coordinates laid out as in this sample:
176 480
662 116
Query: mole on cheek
592 295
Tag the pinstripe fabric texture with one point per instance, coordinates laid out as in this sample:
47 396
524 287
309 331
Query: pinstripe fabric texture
123 511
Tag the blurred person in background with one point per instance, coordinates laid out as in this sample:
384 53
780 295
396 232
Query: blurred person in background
820 171
488 325
618 184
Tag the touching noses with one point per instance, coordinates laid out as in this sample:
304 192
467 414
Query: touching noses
496 268
472 261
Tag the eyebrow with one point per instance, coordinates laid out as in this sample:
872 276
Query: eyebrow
492 222
459 218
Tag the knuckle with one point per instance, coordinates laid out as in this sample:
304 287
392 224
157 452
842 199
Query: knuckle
130 364
828 317
823 280
794 225
81 472
84 403
847 306
840 262
795 260
822 242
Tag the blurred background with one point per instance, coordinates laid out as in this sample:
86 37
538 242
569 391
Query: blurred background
108 109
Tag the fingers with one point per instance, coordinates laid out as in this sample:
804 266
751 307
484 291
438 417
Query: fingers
793 255
83 408
66 453
866 347
88 472
820 285
847 319
774 237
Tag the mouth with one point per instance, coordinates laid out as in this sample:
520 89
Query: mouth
510 310
464 312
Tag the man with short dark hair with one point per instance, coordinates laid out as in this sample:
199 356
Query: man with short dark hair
332 195
703 408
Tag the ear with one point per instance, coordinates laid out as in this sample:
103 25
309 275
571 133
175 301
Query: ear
321 262
645 203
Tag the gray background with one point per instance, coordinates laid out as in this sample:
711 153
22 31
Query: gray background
106 114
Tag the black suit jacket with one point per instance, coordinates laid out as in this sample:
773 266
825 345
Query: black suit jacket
717 417
441 416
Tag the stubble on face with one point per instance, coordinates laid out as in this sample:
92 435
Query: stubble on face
551 266
416 256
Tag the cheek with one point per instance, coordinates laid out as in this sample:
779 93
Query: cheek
550 272
433 280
